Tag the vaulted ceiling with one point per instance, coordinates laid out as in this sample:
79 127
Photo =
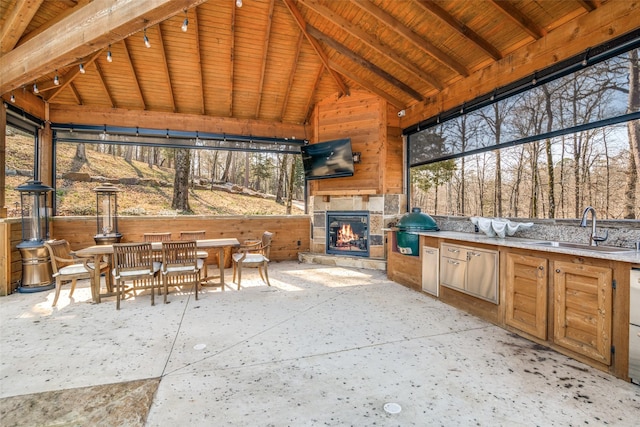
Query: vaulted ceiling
268 60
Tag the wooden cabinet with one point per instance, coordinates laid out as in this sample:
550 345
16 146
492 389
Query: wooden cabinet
583 309
526 294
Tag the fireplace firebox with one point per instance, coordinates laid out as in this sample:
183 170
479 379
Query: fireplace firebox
348 233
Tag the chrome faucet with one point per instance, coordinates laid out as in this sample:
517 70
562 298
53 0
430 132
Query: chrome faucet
593 239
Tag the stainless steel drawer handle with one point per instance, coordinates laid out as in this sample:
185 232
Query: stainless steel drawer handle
453 262
455 251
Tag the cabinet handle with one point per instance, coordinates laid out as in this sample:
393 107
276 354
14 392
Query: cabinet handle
453 262
540 268
455 251
558 270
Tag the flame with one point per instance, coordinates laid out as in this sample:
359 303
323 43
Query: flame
346 235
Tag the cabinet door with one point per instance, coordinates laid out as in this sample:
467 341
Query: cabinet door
526 294
430 277
482 267
583 309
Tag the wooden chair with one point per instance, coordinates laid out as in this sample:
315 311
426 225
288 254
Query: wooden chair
253 255
203 255
67 268
133 262
156 237
180 265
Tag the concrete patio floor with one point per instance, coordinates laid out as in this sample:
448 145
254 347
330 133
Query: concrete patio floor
321 346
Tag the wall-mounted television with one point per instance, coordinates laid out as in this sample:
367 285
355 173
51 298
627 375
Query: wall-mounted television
329 159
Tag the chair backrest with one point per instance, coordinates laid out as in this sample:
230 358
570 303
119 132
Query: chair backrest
129 257
192 235
179 253
266 243
60 254
157 237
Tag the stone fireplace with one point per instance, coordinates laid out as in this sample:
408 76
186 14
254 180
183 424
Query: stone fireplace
329 213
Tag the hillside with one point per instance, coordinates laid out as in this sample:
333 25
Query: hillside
146 190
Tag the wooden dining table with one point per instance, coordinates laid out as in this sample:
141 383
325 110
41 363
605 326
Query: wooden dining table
97 252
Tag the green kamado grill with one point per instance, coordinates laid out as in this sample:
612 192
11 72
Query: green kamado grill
409 224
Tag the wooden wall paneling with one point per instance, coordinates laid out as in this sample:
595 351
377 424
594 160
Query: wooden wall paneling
291 233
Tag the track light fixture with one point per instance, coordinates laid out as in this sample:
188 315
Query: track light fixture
535 79
82 71
35 88
109 57
239 3
146 39
56 80
185 23
13 97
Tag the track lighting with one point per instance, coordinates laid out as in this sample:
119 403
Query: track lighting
535 80
585 61
56 80
239 3
109 57
185 23
146 39
13 97
82 69
35 88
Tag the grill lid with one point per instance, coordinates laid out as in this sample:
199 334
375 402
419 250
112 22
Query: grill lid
417 221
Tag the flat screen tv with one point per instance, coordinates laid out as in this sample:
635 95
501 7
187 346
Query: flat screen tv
330 159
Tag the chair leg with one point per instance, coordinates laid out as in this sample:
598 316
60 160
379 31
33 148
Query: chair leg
118 290
234 272
166 287
197 283
266 274
58 286
73 287
239 275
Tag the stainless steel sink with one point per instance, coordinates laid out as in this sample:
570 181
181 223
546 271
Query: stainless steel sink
583 247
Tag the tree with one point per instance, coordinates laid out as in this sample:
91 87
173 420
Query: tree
181 180
633 131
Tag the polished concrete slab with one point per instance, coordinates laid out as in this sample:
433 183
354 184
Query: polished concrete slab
324 345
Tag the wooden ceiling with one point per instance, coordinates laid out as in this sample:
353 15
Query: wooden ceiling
268 60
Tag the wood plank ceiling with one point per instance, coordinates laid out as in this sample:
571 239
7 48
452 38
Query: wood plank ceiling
272 60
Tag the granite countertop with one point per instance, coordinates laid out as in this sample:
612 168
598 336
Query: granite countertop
631 256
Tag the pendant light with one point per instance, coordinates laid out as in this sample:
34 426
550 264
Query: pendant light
109 57
56 80
82 71
146 39
185 23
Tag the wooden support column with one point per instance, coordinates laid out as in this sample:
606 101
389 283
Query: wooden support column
3 159
45 150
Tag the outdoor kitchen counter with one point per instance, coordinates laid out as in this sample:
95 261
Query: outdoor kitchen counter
514 242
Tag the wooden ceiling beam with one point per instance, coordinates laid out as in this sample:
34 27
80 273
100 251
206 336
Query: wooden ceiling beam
165 65
310 100
265 50
292 74
80 34
16 22
533 29
47 24
343 50
371 41
75 93
460 28
104 85
68 78
369 86
103 115
297 16
587 5
127 57
196 29
421 43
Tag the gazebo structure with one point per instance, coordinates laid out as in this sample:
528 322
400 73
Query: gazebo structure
279 71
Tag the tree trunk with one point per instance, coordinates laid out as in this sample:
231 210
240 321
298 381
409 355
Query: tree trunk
227 167
292 174
547 147
633 131
247 170
281 175
181 181
81 152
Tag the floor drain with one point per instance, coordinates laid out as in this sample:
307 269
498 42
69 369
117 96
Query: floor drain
392 408
199 346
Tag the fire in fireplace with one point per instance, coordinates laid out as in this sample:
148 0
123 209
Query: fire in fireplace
348 233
